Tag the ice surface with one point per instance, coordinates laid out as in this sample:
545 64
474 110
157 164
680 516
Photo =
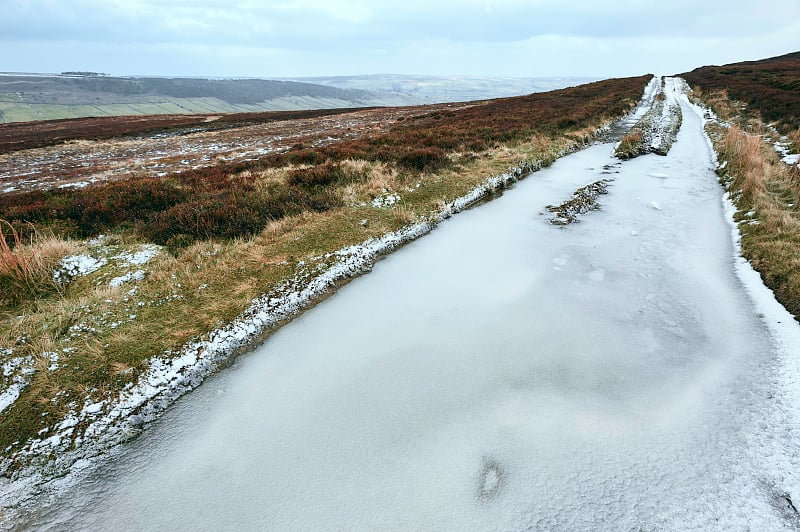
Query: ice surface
499 374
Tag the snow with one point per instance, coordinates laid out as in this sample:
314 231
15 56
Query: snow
16 374
386 200
791 159
466 384
77 184
782 148
77 266
139 258
138 275
93 408
11 394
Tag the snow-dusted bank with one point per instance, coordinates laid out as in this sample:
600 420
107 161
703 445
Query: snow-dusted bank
106 424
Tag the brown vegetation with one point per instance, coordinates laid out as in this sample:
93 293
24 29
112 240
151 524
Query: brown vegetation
26 135
767 195
766 191
226 201
631 145
26 268
770 87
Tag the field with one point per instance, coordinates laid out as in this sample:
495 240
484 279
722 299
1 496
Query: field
24 112
209 213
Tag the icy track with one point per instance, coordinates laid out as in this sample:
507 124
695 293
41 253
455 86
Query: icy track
623 373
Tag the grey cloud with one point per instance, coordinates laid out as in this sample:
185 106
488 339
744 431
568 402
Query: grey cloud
308 37
306 26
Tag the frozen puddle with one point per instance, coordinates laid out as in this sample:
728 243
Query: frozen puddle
498 374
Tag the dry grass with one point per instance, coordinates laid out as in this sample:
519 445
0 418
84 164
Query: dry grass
26 268
762 185
745 161
583 200
630 145
794 140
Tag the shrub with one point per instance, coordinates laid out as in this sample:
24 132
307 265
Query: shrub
122 202
424 159
202 219
231 216
318 176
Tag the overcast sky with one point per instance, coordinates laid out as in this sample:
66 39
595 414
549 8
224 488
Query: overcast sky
273 38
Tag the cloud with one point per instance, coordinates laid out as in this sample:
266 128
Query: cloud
311 22
465 36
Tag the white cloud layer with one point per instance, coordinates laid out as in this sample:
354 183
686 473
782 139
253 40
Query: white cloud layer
328 37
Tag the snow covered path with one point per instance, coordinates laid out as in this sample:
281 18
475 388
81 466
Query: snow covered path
499 374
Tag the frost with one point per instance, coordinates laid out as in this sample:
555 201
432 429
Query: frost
16 373
77 266
139 258
77 184
386 200
138 275
10 394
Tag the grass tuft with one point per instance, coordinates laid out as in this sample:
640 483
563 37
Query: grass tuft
767 195
631 145
27 268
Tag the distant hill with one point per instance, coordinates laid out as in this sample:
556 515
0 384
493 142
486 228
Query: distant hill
29 97
441 89
769 86
25 97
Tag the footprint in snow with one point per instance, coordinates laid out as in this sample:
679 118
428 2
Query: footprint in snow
491 479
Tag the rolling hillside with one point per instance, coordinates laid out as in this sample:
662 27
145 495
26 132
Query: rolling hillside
26 97
770 87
